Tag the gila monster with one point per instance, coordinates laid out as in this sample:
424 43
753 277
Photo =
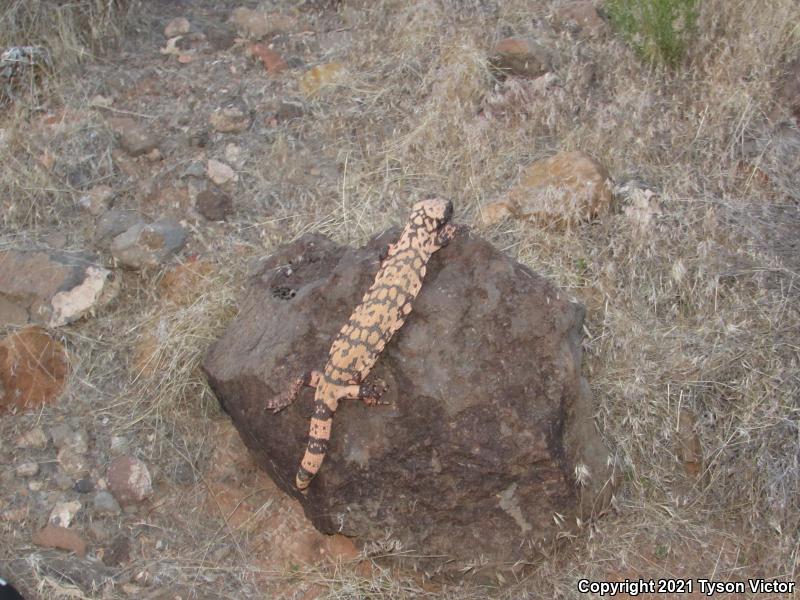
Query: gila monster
383 310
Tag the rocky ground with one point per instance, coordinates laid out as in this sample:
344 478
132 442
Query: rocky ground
135 196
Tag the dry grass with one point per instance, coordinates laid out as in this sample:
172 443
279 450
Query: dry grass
688 313
70 31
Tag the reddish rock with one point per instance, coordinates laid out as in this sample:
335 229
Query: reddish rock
488 418
580 17
129 480
134 138
62 538
220 173
50 288
565 189
521 57
33 369
272 61
214 205
256 23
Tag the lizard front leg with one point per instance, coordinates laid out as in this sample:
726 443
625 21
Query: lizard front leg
278 403
370 393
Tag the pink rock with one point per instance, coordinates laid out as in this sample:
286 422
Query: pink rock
129 480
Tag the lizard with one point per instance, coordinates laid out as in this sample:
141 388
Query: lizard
381 313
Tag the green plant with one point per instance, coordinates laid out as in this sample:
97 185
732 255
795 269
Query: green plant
659 30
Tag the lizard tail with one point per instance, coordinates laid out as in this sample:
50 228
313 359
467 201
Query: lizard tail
318 436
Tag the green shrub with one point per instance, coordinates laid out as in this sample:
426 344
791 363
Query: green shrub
659 30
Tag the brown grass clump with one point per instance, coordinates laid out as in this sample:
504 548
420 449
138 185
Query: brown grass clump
171 338
69 30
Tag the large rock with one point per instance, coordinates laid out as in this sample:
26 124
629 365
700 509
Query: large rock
50 288
489 418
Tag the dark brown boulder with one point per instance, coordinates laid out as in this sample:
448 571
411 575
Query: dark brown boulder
489 421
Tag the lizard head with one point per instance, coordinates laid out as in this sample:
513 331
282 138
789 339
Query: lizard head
432 214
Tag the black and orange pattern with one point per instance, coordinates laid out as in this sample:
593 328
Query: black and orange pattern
383 310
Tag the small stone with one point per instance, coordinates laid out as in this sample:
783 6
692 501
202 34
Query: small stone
565 189
195 169
118 553
129 480
73 463
521 57
84 485
33 369
63 481
97 289
118 443
97 200
231 119
35 485
148 245
33 439
63 513
256 24
28 469
286 111
272 61
214 205
154 155
61 434
65 437
53 536
233 154
220 173
177 26
317 78
105 504
133 138
113 223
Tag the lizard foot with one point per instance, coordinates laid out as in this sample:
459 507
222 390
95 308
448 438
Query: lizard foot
370 393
